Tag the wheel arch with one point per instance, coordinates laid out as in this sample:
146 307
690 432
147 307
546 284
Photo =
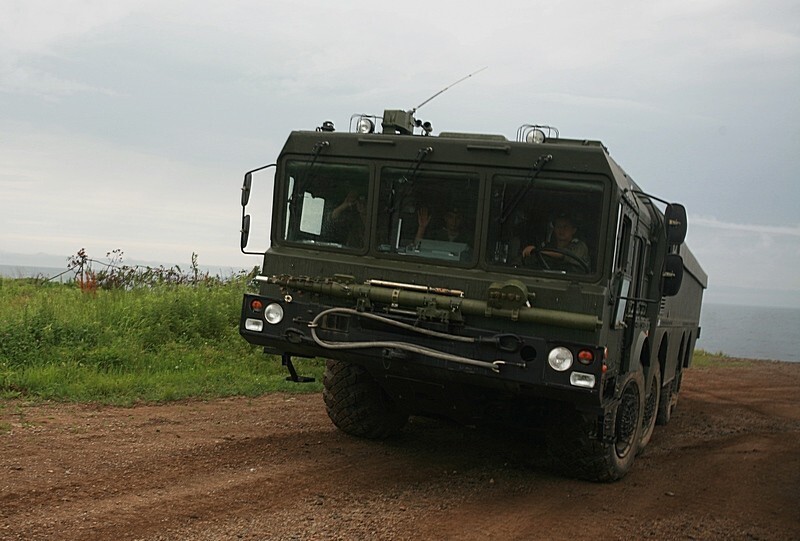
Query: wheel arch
663 354
641 353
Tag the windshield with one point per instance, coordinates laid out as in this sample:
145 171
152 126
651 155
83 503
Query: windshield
326 204
544 224
431 214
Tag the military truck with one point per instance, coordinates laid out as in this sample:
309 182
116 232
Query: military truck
468 276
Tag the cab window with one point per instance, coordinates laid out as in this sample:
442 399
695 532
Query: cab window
430 215
545 225
326 205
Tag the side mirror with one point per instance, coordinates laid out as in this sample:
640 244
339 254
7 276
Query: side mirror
672 276
262 207
248 182
675 218
245 232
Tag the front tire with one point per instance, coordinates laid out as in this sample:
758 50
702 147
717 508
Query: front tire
576 450
356 403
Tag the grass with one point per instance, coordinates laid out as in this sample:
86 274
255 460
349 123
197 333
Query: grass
159 342
705 359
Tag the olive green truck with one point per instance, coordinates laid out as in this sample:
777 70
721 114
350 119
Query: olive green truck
527 282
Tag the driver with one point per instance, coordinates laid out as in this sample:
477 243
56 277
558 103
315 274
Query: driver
563 240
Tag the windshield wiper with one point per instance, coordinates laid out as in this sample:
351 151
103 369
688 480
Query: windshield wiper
300 187
536 168
408 178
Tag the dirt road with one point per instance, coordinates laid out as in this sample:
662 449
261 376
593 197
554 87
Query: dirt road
726 467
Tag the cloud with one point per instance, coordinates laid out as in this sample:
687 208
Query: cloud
701 221
66 192
40 27
591 101
32 31
25 80
761 259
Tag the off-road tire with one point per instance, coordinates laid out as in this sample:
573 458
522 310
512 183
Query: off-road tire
357 405
575 449
651 404
669 399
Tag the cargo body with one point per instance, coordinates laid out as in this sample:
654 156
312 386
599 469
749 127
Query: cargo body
481 279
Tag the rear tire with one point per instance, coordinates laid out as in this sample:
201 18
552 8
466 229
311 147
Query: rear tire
574 446
356 403
651 404
669 399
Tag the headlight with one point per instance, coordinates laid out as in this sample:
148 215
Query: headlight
560 359
273 313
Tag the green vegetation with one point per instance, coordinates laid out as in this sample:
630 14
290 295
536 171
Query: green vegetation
109 341
704 359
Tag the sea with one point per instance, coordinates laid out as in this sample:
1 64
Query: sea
749 332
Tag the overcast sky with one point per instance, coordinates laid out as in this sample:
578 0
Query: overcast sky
129 124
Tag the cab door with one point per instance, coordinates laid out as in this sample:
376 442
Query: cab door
629 273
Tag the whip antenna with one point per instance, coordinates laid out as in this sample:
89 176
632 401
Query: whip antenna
446 88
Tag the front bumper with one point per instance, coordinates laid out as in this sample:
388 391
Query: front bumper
398 344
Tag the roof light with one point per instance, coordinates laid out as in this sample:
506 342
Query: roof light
426 126
536 133
365 125
535 136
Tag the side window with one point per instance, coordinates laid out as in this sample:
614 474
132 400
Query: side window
644 275
624 290
622 266
630 266
326 205
622 262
